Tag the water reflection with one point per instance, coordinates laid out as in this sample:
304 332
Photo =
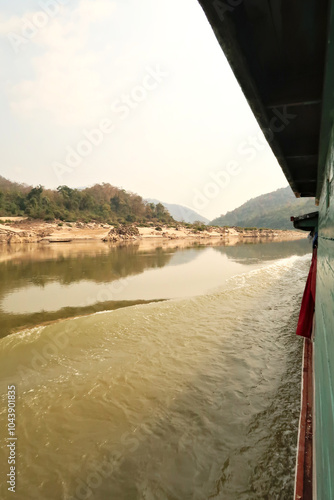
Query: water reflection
248 252
42 283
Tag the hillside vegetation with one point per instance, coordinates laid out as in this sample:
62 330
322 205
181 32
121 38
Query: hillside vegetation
272 210
182 213
101 202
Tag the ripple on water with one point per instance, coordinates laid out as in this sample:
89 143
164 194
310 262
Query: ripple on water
186 399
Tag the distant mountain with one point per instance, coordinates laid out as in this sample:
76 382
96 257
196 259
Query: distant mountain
272 210
180 212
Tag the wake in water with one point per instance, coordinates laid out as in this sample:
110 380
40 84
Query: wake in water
185 399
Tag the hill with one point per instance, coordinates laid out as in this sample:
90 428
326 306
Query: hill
271 210
7 185
181 213
102 202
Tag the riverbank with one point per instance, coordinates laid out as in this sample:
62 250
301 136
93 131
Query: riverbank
20 230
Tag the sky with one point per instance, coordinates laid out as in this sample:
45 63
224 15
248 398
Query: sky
136 93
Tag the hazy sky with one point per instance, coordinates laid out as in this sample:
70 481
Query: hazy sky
136 93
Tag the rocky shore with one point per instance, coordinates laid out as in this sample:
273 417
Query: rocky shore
20 230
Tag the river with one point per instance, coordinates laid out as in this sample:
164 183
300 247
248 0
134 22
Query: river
176 375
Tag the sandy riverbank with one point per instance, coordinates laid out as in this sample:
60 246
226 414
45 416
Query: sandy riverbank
20 230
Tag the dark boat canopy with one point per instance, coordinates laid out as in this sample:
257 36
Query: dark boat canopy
307 222
277 50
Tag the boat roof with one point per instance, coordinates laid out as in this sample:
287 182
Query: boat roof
306 222
278 52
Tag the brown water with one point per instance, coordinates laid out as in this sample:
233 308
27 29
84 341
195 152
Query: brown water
195 397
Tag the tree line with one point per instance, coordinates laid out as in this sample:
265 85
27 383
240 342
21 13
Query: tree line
101 202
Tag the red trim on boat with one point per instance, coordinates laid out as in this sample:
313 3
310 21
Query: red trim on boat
304 465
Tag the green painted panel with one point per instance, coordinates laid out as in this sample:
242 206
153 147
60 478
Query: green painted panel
327 101
324 338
